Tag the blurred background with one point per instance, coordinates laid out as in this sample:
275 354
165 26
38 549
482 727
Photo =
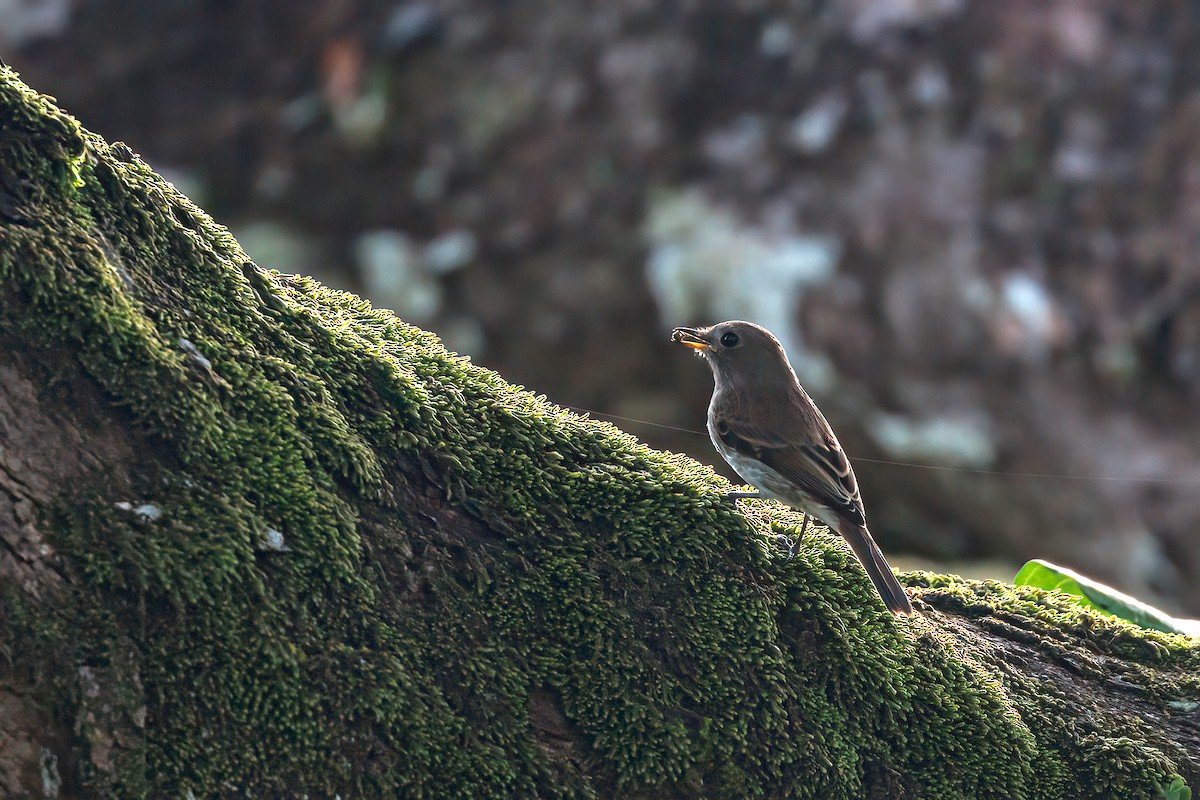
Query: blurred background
974 225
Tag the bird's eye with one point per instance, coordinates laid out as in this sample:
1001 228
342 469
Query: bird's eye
730 339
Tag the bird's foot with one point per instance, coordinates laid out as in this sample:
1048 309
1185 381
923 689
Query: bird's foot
788 543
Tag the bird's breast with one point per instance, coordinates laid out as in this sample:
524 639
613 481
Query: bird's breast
769 482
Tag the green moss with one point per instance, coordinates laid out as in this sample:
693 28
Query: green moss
393 648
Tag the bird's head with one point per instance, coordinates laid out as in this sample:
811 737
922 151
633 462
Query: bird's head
737 351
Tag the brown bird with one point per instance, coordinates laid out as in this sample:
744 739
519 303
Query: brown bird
771 432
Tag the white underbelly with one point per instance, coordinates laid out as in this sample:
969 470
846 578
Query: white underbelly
770 483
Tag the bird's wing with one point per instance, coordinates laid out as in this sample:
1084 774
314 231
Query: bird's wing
820 469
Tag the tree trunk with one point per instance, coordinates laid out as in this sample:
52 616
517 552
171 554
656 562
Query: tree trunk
261 539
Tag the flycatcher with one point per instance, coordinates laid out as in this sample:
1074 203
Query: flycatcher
771 432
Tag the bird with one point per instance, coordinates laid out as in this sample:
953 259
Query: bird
770 431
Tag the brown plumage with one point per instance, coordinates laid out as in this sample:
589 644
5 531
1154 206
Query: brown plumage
771 432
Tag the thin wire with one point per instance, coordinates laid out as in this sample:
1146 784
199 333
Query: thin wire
913 465
638 421
945 468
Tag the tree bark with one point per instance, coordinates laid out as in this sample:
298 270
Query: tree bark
261 539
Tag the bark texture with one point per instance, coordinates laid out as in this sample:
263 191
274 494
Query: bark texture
260 538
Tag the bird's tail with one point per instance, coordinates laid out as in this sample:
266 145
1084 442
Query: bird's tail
877 567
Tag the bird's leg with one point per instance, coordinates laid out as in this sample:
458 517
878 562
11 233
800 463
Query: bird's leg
741 495
803 526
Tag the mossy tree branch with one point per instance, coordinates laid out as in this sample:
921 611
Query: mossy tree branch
260 538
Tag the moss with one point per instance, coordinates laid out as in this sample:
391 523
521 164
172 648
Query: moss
394 647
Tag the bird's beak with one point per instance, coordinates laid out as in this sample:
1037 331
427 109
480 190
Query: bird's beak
690 337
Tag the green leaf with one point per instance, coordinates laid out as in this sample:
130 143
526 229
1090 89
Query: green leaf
1105 599
1177 790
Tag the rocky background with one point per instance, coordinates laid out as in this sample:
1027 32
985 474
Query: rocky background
973 224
